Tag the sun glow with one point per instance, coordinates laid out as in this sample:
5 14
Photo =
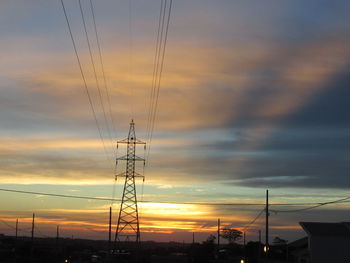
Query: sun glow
168 209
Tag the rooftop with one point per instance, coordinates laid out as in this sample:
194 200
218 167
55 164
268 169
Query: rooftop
326 229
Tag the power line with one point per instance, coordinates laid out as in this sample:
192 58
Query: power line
13 227
130 65
160 55
84 80
253 221
103 68
343 200
7 224
155 65
94 71
155 88
59 195
105 87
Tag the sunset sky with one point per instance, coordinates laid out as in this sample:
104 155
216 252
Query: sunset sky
254 96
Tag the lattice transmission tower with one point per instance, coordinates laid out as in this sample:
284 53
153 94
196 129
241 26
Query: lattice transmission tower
128 228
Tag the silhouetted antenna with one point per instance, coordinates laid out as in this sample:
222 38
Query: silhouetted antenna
128 228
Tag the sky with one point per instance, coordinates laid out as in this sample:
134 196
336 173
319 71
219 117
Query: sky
254 96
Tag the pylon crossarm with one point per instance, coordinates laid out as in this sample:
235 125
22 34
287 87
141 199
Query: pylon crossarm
128 158
123 174
137 175
134 141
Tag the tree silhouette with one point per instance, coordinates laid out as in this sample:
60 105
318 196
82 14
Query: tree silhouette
231 234
210 240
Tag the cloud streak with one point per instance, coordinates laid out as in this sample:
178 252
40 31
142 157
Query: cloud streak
245 104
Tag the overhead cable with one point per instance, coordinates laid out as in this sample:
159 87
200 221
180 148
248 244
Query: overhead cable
84 80
253 221
103 69
155 68
95 73
159 70
343 200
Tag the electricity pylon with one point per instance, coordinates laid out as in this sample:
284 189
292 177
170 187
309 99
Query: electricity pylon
128 228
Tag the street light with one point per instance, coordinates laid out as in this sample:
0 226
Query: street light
266 249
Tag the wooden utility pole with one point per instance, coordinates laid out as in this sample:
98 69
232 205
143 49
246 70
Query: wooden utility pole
193 238
218 233
57 233
244 247
15 250
32 247
267 223
33 228
110 230
16 228
57 238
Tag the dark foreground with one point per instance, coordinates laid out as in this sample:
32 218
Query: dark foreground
65 250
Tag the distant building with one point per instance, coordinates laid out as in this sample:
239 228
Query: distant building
328 242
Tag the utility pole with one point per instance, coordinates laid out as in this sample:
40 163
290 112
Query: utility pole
267 224
218 234
193 238
110 230
33 229
15 252
32 248
16 228
244 247
57 233
128 227
57 238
